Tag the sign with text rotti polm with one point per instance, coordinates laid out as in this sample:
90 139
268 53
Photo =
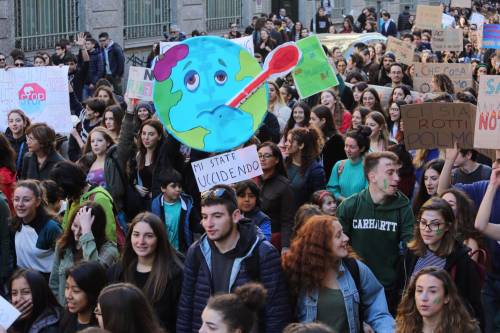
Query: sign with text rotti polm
227 168
487 133
438 125
313 73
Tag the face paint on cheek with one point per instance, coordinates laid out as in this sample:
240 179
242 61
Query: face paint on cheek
439 232
437 300
386 184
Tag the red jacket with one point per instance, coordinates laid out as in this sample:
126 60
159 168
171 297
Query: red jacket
7 185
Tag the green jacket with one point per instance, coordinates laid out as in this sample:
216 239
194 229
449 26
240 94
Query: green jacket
376 232
102 197
106 255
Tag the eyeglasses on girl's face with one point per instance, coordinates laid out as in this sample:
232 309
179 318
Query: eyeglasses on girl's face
19 64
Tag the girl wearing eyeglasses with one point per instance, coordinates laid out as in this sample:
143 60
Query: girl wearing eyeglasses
435 244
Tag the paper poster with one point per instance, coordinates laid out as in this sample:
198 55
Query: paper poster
8 313
438 125
228 168
140 83
461 3
447 40
313 73
488 113
477 36
41 92
429 17
211 94
404 51
460 75
491 36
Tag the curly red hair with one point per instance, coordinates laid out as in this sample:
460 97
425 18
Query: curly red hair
311 254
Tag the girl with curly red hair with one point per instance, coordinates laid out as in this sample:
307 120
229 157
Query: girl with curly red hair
331 286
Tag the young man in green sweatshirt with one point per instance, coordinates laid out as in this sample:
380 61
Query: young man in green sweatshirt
379 220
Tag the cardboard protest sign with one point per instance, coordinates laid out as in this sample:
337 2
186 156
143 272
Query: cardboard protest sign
8 313
228 168
460 75
211 94
140 83
461 3
476 36
438 125
41 92
404 51
447 40
491 36
488 113
313 73
429 17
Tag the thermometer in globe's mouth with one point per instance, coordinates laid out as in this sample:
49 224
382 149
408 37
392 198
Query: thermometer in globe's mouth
278 63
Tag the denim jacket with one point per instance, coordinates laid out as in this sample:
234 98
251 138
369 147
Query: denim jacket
376 313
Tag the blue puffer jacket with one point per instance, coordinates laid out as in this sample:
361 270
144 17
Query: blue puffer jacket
196 287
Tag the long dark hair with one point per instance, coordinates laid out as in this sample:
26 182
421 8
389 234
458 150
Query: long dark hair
291 121
41 295
141 155
67 239
90 277
310 138
323 112
166 261
125 309
422 195
280 167
8 155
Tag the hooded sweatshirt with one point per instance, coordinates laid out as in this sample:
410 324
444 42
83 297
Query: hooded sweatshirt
377 231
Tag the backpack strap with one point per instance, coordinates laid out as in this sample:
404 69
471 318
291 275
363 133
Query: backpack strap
353 268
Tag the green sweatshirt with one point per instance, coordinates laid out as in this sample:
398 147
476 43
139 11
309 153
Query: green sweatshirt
376 231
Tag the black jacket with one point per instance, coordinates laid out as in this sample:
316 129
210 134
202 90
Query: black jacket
31 169
466 275
333 151
116 60
20 147
277 202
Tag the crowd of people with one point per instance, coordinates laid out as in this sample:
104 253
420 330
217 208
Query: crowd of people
347 230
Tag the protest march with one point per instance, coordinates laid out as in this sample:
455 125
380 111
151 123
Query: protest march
285 176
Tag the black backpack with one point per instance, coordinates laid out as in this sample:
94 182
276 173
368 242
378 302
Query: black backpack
353 268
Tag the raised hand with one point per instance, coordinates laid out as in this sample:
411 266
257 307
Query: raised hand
86 219
80 40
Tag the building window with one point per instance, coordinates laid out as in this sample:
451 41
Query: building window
39 24
222 12
146 18
338 8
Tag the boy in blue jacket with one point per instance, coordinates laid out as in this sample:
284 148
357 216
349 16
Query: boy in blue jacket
175 208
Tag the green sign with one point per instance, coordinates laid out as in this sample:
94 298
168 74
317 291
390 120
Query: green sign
313 73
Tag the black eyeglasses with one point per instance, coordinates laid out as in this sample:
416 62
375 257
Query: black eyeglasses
19 64
2 59
431 226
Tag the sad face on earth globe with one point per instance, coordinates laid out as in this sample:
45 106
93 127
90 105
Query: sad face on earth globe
194 82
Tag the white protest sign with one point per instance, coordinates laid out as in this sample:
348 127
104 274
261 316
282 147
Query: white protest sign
8 313
228 168
245 42
41 92
140 83
460 75
447 40
487 134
